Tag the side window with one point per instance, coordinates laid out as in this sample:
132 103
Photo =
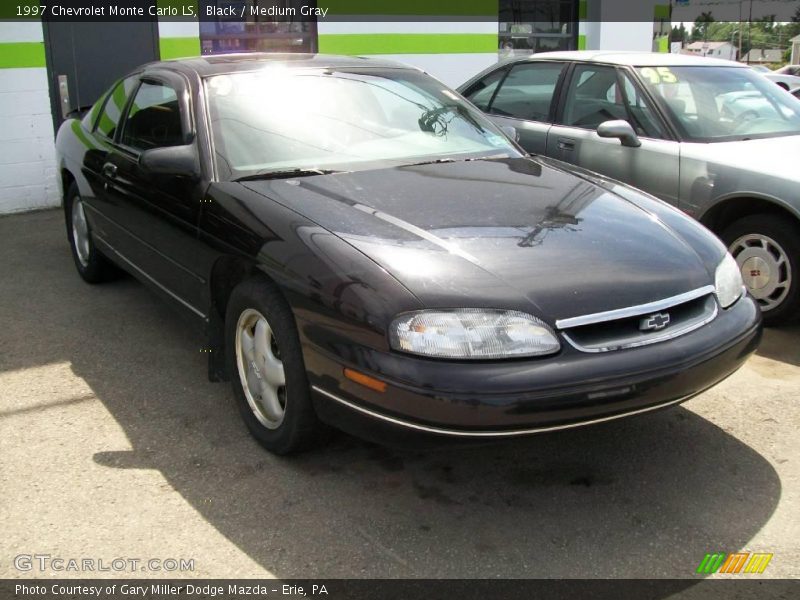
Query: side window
528 91
593 97
646 122
113 107
480 94
154 118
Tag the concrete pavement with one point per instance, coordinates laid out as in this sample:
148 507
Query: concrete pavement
114 444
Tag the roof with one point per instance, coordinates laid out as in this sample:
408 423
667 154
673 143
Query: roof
637 59
702 45
218 64
760 55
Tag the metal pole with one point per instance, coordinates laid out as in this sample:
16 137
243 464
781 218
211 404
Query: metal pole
749 31
739 54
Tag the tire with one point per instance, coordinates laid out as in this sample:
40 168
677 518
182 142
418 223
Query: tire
256 309
92 266
771 243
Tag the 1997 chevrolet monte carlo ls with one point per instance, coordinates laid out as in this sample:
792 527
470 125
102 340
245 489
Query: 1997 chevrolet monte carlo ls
365 249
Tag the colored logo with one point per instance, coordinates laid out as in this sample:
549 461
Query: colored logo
735 563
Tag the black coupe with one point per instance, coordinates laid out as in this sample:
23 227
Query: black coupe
364 248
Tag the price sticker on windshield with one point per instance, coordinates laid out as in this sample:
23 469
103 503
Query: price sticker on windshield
658 75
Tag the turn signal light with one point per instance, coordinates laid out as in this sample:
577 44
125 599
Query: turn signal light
365 380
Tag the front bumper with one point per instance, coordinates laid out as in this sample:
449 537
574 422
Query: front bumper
517 397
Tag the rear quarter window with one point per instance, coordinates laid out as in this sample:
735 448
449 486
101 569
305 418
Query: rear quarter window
111 113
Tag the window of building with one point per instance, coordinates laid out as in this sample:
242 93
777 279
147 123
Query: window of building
531 26
268 26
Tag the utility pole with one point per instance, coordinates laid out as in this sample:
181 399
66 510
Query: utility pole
749 31
739 54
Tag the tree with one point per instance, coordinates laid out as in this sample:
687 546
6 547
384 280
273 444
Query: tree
678 34
701 25
793 28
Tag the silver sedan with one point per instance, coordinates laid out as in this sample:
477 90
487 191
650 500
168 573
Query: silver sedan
712 137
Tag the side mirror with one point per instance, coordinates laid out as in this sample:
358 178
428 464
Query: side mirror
178 161
621 130
511 132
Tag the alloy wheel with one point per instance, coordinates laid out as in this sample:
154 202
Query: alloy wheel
261 370
80 232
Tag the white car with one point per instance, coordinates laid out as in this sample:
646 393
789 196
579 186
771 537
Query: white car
787 82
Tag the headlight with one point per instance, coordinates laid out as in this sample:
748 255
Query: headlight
728 281
472 333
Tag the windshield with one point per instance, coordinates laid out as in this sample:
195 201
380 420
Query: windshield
714 104
279 119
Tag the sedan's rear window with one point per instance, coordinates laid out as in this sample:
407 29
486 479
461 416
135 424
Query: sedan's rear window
278 119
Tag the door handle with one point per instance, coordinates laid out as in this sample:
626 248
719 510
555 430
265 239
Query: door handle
110 170
566 144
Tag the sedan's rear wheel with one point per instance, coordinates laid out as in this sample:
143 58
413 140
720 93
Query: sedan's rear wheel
767 250
92 266
267 369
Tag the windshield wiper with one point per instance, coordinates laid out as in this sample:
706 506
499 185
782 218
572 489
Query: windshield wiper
287 173
438 161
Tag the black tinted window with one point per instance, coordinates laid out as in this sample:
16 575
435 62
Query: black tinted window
527 91
113 107
480 94
154 118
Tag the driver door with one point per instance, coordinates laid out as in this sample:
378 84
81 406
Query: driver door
159 213
598 93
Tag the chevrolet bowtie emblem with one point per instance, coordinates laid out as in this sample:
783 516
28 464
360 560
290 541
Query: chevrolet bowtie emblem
654 322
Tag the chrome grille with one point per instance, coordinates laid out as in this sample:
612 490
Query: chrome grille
641 325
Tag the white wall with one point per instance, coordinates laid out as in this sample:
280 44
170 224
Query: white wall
27 157
450 69
613 35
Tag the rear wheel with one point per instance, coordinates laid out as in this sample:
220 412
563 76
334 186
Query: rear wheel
92 266
767 250
267 370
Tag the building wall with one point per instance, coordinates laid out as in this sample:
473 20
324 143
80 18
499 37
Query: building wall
27 158
450 51
599 31
178 39
460 39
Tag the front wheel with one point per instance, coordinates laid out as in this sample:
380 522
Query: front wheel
767 250
267 370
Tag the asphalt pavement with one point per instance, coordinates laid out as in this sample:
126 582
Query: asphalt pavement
113 444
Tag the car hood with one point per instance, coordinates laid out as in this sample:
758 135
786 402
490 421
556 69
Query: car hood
502 233
763 157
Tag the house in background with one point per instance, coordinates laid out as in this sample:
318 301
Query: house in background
759 56
724 50
795 57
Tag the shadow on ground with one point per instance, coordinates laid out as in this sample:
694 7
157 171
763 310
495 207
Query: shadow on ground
781 344
642 497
